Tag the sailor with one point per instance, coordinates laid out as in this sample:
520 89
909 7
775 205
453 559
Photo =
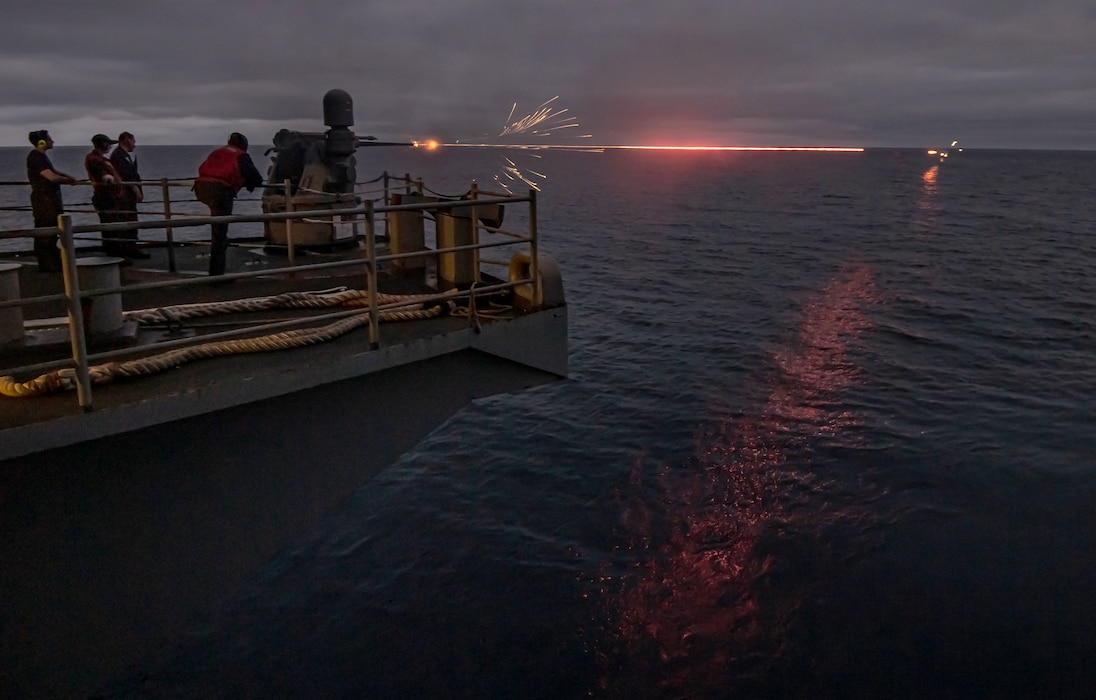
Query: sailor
45 198
107 192
223 173
130 195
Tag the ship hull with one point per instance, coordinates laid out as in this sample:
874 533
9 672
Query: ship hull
119 545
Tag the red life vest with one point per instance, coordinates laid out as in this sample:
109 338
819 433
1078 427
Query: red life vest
223 166
99 167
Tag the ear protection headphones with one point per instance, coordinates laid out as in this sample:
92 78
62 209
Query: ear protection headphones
41 142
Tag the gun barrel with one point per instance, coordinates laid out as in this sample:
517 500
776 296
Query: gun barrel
364 142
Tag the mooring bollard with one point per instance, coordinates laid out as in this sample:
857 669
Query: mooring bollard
11 318
102 314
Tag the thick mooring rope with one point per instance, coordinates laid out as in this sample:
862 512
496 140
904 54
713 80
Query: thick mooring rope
298 300
65 379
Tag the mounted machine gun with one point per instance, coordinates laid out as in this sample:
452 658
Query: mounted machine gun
321 171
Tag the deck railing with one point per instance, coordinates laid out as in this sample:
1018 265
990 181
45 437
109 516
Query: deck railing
383 187
365 213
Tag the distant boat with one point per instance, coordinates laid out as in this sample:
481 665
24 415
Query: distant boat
942 153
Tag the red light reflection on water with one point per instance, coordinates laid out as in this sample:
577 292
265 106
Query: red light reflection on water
928 186
690 609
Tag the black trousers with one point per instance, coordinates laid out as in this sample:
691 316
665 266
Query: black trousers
120 243
219 199
45 247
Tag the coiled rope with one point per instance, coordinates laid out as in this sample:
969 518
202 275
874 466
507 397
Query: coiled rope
335 297
65 379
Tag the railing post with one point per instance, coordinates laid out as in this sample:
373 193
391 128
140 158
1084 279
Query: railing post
371 275
168 232
289 225
388 215
537 292
75 313
473 194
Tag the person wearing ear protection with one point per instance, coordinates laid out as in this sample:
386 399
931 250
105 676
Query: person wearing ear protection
45 198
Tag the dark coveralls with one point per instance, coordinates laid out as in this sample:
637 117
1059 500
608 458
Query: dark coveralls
223 173
126 203
45 203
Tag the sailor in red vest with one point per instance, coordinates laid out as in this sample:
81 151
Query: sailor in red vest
223 173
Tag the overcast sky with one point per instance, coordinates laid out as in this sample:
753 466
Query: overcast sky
991 73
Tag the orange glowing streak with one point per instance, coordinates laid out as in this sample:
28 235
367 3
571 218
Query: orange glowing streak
819 149
590 147
429 144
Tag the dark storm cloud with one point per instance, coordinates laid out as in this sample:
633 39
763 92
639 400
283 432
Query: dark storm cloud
848 72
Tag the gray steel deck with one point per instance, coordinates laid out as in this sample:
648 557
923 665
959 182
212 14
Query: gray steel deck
32 424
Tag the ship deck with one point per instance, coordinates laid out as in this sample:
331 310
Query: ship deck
42 422
180 484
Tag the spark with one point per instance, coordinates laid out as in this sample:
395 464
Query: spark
547 122
541 115
535 131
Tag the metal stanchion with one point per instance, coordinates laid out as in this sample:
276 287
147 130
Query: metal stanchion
371 275
75 313
168 232
533 247
289 226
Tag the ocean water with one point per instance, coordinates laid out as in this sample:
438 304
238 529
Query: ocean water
830 431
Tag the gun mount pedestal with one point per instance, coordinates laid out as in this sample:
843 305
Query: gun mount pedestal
315 232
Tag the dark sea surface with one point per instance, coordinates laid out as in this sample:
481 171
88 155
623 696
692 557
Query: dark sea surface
830 431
